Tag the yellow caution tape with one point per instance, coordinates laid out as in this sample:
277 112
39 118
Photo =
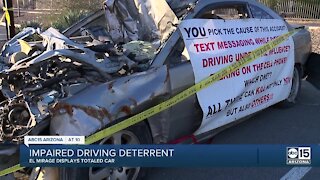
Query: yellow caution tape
10 170
6 15
179 97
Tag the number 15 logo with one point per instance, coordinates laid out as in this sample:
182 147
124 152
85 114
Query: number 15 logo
304 153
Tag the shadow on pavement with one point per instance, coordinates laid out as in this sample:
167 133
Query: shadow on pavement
313 70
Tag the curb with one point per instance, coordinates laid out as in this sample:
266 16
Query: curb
313 27
15 25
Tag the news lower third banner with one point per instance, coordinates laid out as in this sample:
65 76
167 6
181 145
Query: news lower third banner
169 155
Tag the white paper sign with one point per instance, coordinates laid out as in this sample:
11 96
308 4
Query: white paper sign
215 44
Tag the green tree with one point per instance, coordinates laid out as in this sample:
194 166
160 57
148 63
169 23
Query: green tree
74 10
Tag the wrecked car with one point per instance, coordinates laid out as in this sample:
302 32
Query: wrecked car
111 65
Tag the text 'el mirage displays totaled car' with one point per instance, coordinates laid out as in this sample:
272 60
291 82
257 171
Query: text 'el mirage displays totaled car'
121 61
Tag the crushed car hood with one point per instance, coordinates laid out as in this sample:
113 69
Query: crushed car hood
77 86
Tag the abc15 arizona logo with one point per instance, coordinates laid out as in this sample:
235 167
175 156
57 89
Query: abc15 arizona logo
298 155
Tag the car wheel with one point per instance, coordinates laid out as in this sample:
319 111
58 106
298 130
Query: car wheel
294 92
313 70
138 134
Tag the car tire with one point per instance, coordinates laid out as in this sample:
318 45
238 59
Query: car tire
137 134
294 92
313 70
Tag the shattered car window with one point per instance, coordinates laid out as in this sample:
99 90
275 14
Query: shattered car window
234 12
259 13
150 21
178 54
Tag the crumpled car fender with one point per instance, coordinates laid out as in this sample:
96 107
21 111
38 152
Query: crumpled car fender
96 106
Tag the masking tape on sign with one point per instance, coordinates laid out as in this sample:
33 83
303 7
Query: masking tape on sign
179 97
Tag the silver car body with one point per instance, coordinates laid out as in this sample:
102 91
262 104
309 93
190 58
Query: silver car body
98 105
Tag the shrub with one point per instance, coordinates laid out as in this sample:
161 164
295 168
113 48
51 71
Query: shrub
68 18
34 24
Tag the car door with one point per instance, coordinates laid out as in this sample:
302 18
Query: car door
186 116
